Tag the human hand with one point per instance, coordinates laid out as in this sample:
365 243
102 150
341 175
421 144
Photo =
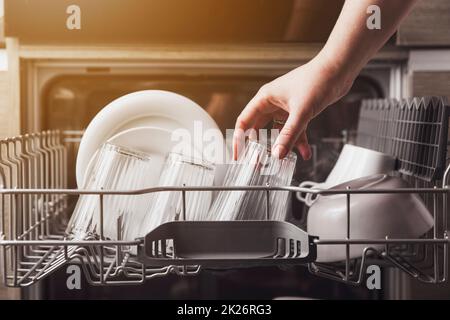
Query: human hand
293 100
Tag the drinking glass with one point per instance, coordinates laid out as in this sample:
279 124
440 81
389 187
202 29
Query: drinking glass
113 168
243 172
274 172
180 170
255 167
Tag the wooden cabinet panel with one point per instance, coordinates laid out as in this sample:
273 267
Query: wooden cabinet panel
5 117
427 25
171 21
431 83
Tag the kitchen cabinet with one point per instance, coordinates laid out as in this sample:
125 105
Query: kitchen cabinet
427 25
435 83
4 118
162 21
10 92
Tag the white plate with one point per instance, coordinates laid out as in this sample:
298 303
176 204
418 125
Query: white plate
155 108
155 142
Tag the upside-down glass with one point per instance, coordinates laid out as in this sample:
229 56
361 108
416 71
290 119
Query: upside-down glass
273 172
180 170
255 167
243 172
114 168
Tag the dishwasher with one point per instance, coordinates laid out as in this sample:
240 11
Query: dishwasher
36 204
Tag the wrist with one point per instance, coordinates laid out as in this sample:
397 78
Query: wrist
339 76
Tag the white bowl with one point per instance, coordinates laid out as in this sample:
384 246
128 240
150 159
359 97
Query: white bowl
372 216
354 162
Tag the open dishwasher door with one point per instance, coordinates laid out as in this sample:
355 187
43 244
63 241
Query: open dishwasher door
223 96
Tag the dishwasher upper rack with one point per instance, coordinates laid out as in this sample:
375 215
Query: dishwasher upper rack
34 212
414 130
28 259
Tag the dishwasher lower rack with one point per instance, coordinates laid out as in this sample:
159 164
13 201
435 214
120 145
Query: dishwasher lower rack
33 244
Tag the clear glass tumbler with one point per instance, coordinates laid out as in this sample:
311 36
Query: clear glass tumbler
165 206
113 168
255 167
273 172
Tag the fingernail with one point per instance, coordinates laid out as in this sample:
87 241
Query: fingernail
279 151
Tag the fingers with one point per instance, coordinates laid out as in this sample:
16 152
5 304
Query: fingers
258 112
303 146
253 111
254 116
289 134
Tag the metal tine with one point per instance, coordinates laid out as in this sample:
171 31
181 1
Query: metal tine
10 181
7 180
22 183
41 200
7 231
59 172
16 183
23 158
53 172
37 264
32 168
58 167
32 158
22 179
445 225
427 147
53 169
63 165
48 199
435 236
36 182
27 216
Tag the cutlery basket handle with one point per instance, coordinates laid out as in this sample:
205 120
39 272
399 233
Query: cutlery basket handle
225 244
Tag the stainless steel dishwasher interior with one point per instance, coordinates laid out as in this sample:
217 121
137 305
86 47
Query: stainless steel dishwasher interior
132 269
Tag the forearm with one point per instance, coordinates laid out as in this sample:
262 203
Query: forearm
352 44
298 96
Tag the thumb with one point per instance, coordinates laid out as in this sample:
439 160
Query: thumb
289 134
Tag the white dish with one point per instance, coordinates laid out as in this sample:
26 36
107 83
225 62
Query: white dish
154 108
354 162
155 142
373 216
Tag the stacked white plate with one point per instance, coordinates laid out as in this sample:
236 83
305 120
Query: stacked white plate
149 121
